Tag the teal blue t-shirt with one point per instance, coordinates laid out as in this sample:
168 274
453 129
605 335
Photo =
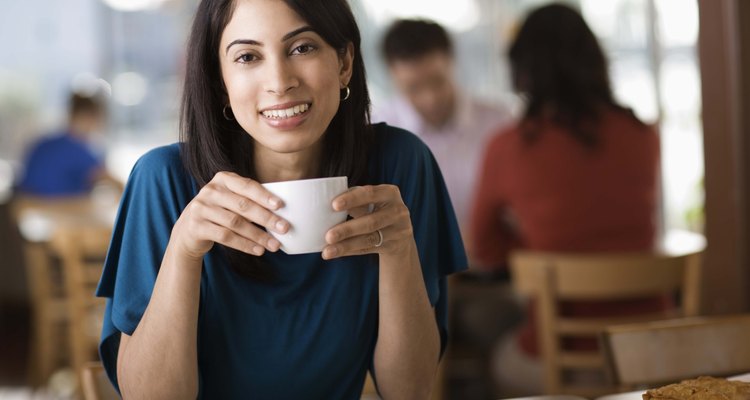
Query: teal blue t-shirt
310 333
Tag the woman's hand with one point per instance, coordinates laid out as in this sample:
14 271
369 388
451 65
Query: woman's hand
225 211
381 223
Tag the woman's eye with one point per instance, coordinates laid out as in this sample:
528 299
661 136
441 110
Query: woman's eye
303 49
246 58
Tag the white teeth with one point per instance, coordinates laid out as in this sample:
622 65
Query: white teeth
286 113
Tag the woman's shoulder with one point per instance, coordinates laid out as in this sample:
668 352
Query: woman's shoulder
398 153
504 138
162 156
162 164
393 137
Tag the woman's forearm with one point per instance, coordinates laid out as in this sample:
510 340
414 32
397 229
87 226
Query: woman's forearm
160 359
408 346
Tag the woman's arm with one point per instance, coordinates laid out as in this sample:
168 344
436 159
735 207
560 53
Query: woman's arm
160 359
408 345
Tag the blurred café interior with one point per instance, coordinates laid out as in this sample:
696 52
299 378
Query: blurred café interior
681 65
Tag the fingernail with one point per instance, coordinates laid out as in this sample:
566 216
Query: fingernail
273 244
258 250
281 226
339 205
274 202
331 252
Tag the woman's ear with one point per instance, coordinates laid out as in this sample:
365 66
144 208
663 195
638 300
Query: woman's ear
346 62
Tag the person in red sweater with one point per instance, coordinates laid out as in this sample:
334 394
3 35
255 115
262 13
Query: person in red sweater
577 173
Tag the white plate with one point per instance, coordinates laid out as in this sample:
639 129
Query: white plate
637 395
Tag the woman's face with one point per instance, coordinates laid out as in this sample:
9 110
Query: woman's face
282 79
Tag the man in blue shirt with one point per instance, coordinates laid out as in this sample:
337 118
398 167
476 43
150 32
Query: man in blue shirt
64 164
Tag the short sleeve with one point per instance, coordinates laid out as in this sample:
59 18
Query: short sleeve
407 162
157 191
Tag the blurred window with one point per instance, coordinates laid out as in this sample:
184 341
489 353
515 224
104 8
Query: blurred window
138 47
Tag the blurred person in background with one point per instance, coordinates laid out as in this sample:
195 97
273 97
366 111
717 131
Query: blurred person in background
578 173
455 126
66 162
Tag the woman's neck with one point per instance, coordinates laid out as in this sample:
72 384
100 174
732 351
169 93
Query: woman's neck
271 166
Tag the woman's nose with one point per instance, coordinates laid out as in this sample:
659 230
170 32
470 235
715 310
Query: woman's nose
281 77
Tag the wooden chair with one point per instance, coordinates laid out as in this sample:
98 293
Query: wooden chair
654 353
46 285
96 384
82 250
550 278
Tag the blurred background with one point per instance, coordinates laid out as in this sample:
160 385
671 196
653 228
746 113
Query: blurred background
134 51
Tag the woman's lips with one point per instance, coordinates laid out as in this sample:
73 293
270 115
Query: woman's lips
285 111
286 116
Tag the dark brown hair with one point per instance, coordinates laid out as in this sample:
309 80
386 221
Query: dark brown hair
211 143
86 104
558 65
407 39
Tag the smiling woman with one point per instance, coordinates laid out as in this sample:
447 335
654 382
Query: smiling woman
275 91
267 79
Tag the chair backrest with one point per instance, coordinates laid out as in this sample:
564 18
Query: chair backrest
667 351
96 385
82 250
553 277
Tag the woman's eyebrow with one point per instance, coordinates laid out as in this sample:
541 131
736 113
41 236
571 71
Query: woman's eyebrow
284 38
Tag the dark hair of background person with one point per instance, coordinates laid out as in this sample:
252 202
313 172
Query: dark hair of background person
80 104
211 143
407 39
559 67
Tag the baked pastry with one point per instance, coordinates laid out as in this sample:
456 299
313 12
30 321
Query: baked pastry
702 388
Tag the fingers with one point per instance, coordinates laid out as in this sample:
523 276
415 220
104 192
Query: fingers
250 189
251 211
239 226
247 198
363 196
373 209
360 226
362 244
231 210
358 212
222 235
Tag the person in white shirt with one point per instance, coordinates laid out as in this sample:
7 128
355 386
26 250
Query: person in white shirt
453 124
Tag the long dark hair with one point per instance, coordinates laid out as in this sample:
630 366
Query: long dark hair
559 67
211 143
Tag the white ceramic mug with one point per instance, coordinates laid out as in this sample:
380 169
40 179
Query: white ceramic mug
309 211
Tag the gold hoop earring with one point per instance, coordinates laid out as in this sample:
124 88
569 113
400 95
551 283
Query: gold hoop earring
348 93
224 111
